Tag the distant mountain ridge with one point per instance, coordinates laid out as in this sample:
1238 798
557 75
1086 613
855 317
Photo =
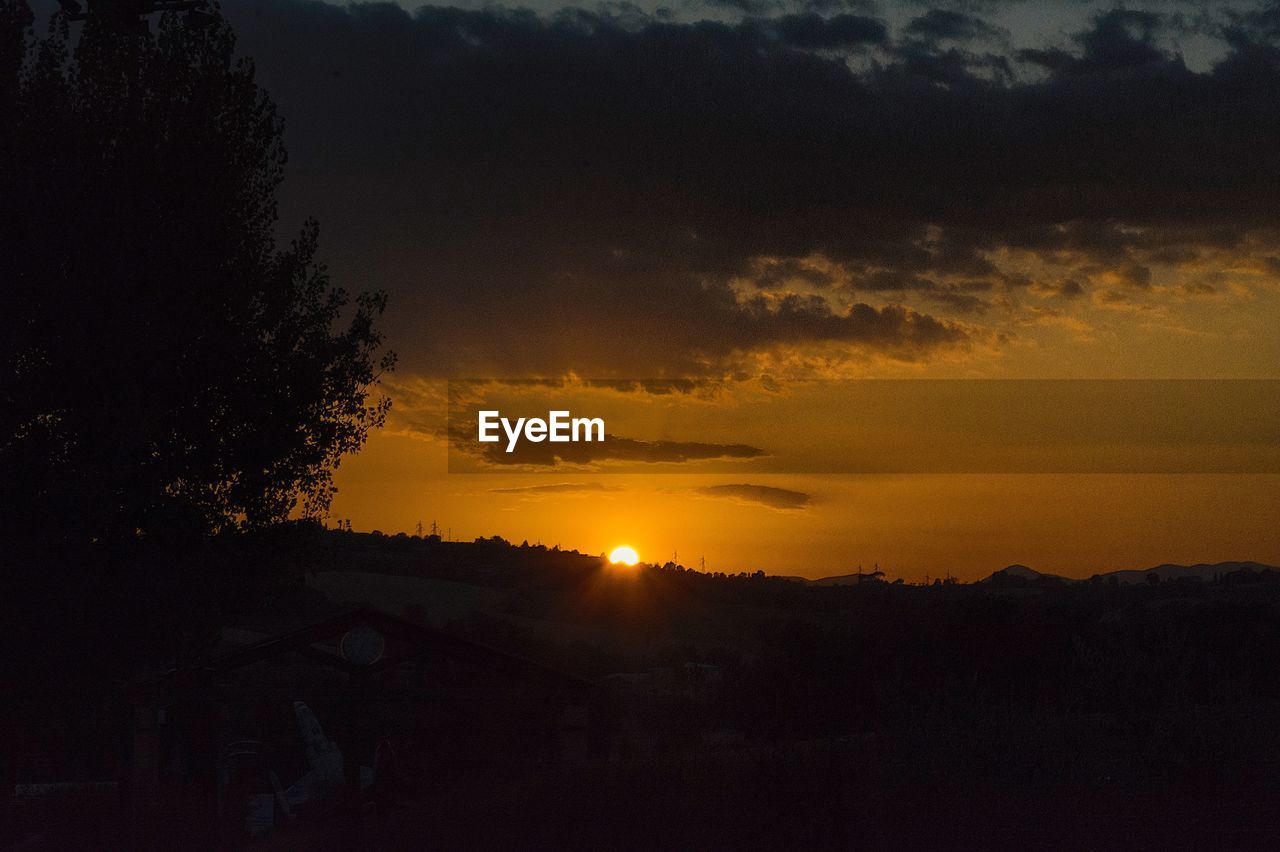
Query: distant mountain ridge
1125 576
848 579
1128 576
1024 572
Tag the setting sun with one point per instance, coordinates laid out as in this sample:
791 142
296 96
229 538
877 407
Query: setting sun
624 556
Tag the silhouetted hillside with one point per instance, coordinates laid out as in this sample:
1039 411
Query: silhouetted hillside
1217 571
920 707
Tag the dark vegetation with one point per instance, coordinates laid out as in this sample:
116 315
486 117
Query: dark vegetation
169 371
1017 712
770 712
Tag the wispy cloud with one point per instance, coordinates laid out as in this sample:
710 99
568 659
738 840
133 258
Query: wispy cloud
557 488
763 495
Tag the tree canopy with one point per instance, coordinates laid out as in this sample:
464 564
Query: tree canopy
168 367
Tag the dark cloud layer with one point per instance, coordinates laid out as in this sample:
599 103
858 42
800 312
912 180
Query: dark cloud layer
764 495
812 30
940 24
581 192
613 450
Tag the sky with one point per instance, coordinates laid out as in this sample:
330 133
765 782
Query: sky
791 195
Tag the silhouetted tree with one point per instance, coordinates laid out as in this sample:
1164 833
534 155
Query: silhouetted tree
167 367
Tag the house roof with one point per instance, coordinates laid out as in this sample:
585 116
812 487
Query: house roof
413 640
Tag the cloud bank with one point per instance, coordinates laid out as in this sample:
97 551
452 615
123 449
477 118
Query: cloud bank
614 192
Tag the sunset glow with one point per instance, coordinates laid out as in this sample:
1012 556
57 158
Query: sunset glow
623 555
927 349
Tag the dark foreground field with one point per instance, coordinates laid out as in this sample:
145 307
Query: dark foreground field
548 700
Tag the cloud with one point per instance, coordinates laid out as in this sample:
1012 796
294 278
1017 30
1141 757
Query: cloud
1200 290
1257 25
658 387
1068 289
939 24
836 5
751 7
557 488
613 450
585 191
1119 40
812 30
764 495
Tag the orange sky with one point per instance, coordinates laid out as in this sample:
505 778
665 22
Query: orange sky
816 523
910 524
1036 213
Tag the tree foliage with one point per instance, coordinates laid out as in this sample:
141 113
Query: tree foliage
168 366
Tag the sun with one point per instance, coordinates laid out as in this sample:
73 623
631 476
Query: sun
624 555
